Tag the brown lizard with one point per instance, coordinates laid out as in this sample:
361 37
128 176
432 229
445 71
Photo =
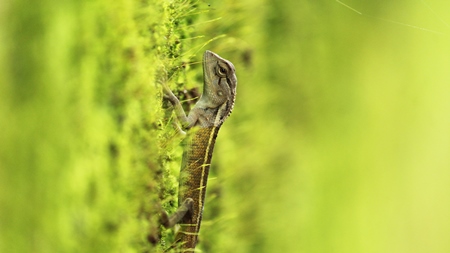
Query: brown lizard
204 120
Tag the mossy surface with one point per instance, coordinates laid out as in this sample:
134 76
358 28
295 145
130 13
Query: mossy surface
338 141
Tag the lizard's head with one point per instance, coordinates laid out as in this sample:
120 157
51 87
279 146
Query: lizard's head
219 90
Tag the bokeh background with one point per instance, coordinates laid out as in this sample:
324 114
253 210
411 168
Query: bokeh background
339 140
349 145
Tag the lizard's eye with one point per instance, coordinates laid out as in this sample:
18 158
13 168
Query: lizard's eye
221 71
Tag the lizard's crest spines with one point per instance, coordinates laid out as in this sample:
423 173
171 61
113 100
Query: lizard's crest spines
220 82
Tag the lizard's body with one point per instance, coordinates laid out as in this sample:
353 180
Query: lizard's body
193 179
205 120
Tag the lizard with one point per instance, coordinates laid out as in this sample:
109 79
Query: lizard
204 121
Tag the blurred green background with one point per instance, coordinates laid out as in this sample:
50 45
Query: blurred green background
339 140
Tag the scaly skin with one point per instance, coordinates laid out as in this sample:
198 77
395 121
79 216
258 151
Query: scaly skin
193 180
204 121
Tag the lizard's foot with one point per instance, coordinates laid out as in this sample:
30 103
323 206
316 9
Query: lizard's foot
168 222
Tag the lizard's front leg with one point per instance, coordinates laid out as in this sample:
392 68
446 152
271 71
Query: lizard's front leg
186 121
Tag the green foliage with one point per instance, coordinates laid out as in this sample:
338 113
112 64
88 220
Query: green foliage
81 122
335 130
338 142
